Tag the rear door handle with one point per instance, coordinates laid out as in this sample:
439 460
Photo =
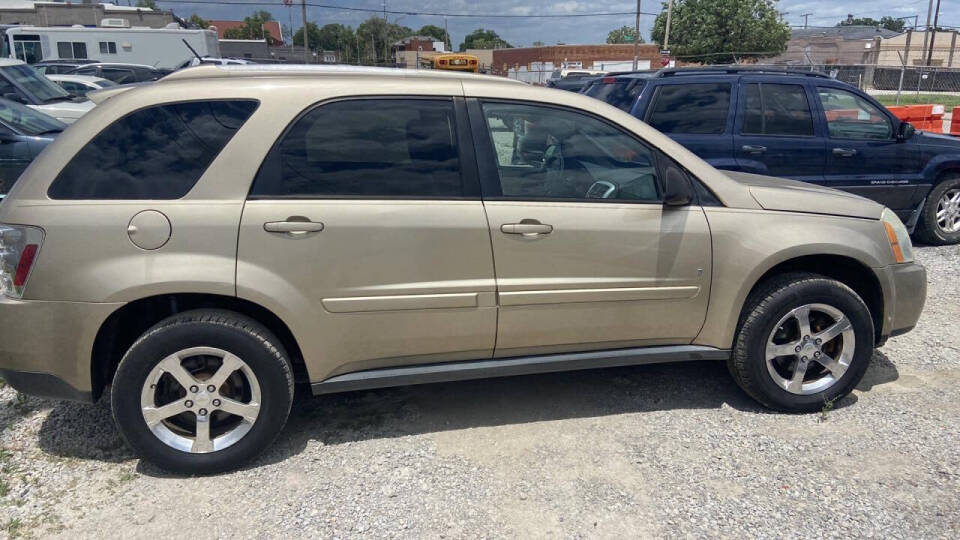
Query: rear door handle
294 225
751 149
527 227
845 152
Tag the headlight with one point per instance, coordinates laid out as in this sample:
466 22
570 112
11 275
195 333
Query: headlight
18 249
898 236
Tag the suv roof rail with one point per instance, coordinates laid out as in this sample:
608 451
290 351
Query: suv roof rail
330 70
672 72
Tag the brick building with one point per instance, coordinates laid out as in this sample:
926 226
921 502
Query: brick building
270 27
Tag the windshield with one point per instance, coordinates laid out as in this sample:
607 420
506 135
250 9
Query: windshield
26 120
621 94
33 82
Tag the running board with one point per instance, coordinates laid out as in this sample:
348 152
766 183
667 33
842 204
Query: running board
504 367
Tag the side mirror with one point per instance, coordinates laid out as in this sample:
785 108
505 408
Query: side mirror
13 96
678 191
905 131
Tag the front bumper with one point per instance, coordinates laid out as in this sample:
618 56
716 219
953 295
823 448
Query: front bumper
905 293
46 347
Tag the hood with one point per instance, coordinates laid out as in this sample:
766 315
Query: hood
938 139
793 196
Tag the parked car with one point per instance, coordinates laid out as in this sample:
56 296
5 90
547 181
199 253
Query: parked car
205 241
572 80
120 73
805 126
81 85
24 132
193 62
21 83
56 67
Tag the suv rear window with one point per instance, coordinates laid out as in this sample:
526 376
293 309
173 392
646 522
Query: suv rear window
621 93
690 108
155 153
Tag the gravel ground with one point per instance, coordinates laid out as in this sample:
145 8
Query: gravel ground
664 451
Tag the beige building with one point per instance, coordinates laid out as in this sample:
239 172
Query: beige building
82 12
911 45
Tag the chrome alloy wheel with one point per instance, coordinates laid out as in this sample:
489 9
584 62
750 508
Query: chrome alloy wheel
200 400
948 211
810 349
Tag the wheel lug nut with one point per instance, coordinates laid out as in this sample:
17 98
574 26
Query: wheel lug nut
797 348
816 354
194 389
188 403
202 412
803 359
819 341
216 403
806 338
211 388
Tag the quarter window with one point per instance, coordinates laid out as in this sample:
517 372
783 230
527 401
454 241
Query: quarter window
777 109
366 148
72 49
155 153
544 152
690 108
849 116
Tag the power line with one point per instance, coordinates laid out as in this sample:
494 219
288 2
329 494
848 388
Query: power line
415 13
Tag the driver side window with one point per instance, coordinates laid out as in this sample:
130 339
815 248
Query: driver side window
550 153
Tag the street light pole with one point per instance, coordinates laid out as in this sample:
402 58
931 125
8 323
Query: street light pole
666 34
636 39
306 37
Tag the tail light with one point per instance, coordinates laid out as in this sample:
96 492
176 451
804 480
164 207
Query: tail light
609 80
19 245
443 62
473 62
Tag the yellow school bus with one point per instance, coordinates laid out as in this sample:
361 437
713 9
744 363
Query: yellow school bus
456 62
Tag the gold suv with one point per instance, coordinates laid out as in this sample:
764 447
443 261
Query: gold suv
200 244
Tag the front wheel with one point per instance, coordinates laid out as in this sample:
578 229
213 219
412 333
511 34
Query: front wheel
940 221
805 341
202 392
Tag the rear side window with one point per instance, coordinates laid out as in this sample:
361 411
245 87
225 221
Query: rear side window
155 153
777 109
366 148
621 94
690 108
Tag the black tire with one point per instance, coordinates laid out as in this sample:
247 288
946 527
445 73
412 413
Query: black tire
765 308
226 330
927 229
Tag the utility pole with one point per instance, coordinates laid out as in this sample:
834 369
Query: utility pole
666 34
923 54
933 36
306 35
636 39
447 33
805 16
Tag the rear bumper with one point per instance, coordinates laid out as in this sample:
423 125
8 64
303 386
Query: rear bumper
905 293
46 347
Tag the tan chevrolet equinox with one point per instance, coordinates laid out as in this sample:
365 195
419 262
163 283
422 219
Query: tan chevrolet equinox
199 244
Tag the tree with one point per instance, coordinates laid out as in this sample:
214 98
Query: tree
252 28
888 22
624 34
538 43
313 32
152 4
435 32
199 21
484 39
723 31
376 36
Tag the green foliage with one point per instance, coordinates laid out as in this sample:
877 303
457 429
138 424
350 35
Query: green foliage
330 37
484 39
888 22
376 37
152 4
252 28
435 32
723 31
199 21
624 34
538 43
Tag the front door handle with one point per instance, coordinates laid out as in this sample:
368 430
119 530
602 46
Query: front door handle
526 227
293 225
845 152
751 149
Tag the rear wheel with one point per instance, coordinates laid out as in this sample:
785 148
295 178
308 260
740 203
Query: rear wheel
202 392
940 221
805 341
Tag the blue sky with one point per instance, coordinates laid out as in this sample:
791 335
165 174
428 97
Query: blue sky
521 32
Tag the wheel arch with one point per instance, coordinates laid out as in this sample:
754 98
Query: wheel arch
126 324
845 269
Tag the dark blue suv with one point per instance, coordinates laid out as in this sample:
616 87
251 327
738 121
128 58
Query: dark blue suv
804 126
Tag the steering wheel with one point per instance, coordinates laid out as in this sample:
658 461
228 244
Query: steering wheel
552 161
602 189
